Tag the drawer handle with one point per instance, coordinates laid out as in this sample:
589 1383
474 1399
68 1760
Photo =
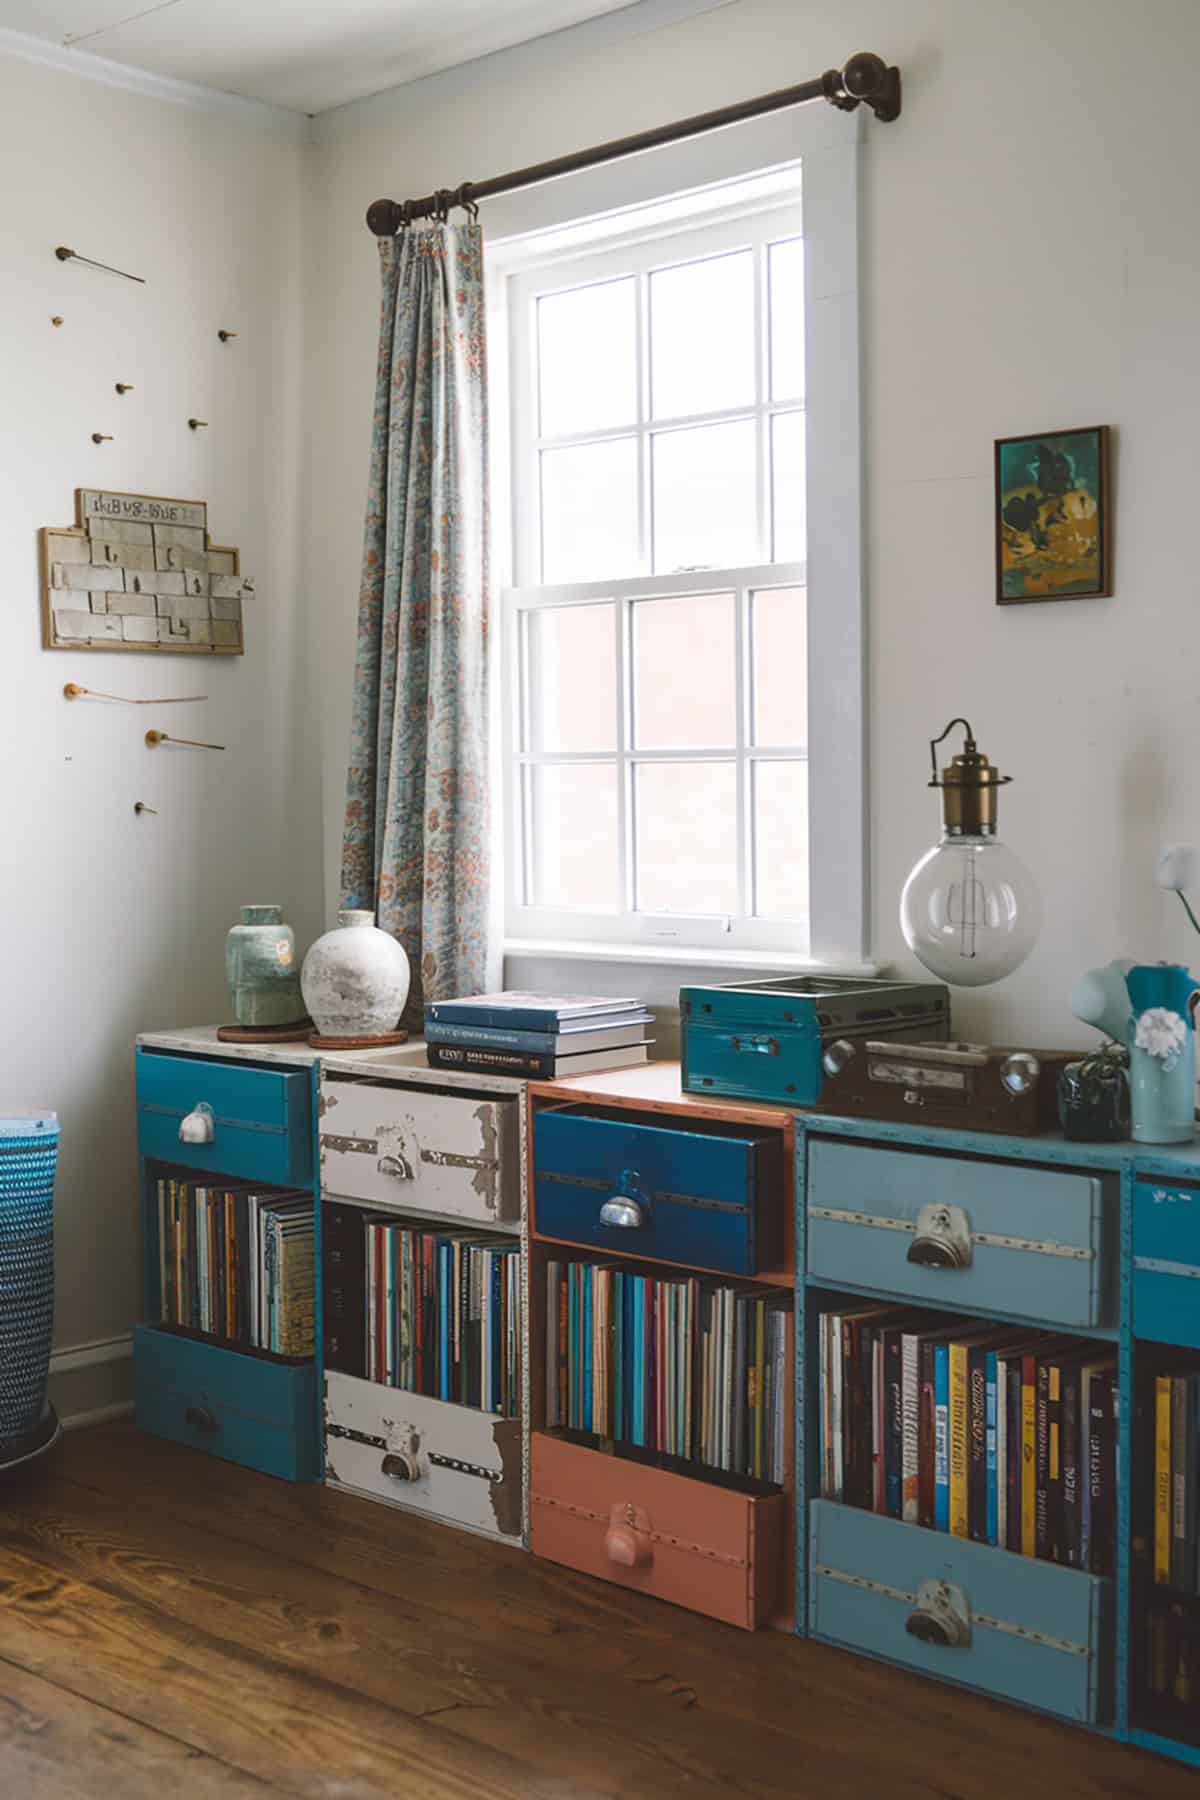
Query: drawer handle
628 1208
942 1239
401 1465
756 1046
942 1618
627 1541
200 1419
398 1167
199 1126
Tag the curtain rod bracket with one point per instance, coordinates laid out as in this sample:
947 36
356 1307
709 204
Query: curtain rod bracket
866 80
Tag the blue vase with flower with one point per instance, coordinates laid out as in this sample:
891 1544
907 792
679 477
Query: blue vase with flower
1162 1052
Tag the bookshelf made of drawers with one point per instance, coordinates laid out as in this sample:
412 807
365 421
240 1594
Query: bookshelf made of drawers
1096 1245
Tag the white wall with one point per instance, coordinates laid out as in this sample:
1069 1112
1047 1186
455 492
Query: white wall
110 924
1031 261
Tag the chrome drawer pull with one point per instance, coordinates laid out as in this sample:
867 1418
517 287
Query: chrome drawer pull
942 1239
401 1466
199 1126
942 1616
628 1541
398 1167
626 1209
200 1419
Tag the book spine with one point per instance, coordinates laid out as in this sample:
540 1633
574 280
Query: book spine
493 1037
1072 1499
1029 1456
1193 1486
1180 1435
1012 1540
1054 1483
502 1018
941 1415
977 1483
959 1429
1162 1479
824 1389
893 1413
1042 1522
838 1467
910 1411
926 1429
496 1062
991 1449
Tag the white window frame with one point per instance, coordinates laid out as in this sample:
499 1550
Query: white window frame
828 148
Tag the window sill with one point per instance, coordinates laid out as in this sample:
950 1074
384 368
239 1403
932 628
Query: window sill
699 955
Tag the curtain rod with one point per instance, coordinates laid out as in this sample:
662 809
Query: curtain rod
866 79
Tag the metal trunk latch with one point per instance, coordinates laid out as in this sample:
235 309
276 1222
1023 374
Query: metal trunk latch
942 1238
627 1540
403 1461
628 1208
942 1617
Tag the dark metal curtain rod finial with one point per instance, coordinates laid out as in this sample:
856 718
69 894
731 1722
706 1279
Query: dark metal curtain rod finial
866 80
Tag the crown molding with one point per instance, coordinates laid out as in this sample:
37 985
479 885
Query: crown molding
86 67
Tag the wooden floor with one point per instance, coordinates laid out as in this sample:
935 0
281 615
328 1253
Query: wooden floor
172 1626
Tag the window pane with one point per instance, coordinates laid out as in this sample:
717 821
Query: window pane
587 357
572 699
704 505
786 267
589 511
702 333
780 637
575 836
789 538
781 839
684 679
687 837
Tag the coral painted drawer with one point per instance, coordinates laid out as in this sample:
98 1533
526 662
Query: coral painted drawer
711 1198
450 1462
1022 1630
975 1233
260 1119
253 1410
455 1154
713 1549
1166 1263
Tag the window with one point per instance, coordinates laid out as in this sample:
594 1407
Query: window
657 634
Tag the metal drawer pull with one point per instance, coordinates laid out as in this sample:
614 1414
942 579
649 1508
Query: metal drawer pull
756 1046
200 1419
401 1466
627 1208
628 1542
942 1239
199 1126
942 1616
396 1166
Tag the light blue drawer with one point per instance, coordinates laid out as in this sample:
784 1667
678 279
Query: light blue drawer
262 1118
247 1409
1166 1263
1041 1243
1037 1633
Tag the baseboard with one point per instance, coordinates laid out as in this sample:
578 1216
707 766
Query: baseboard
90 1383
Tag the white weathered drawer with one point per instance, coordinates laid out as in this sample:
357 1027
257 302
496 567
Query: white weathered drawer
449 1462
421 1151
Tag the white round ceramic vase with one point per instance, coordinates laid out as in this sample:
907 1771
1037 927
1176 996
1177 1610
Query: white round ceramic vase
355 979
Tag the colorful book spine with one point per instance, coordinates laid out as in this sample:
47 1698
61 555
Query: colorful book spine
1162 1479
941 1476
959 1432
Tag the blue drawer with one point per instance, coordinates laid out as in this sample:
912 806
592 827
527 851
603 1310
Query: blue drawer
1040 1243
1166 1264
247 1409
709 1198
262 1118
1036 1633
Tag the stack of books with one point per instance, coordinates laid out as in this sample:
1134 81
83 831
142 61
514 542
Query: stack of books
539 1035
994 1433
236 1264
689 1368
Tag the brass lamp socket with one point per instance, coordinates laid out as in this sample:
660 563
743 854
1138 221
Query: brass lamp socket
969 785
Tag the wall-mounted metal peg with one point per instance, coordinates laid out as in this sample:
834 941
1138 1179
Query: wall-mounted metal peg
154 738
197 424
56 318
102 437
139 806
74 691
226 335
124 387
66 255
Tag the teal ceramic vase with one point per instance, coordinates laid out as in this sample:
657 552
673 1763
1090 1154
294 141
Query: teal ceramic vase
1162 1053
261 970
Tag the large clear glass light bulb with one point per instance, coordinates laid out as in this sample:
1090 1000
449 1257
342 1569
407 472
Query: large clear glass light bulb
970 910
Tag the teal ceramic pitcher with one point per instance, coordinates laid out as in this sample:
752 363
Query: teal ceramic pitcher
1162 1052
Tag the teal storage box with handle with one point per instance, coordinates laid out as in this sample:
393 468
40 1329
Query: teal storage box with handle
766 1040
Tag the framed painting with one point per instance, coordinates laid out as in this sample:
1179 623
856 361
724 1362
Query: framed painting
1053 525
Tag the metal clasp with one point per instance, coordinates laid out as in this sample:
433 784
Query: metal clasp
942 1617
942 1239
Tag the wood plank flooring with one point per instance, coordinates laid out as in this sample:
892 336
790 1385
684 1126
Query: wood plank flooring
171 1625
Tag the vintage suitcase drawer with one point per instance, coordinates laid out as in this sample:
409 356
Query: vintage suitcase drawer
709 1548
709 1198
449 1462
1021 1630
260 1119
248 1409
991 1236
1166 1263
456 1155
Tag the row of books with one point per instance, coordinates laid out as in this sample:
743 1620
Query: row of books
1177 1480
997 1434
685 1367
236 1262
538 1035
1171 1659
443 1315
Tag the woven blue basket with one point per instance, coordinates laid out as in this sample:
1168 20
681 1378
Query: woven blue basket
28 1154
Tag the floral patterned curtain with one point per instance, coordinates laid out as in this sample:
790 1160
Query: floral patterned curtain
416 837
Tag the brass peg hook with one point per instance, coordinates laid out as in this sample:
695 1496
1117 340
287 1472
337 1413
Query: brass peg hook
226 335
197 424
154 738
139 806
102 437
124 387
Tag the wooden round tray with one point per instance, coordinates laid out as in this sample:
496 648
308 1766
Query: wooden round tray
296 1033
386 1039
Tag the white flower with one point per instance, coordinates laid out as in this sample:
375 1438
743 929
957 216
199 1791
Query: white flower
1178 867
1160 1031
